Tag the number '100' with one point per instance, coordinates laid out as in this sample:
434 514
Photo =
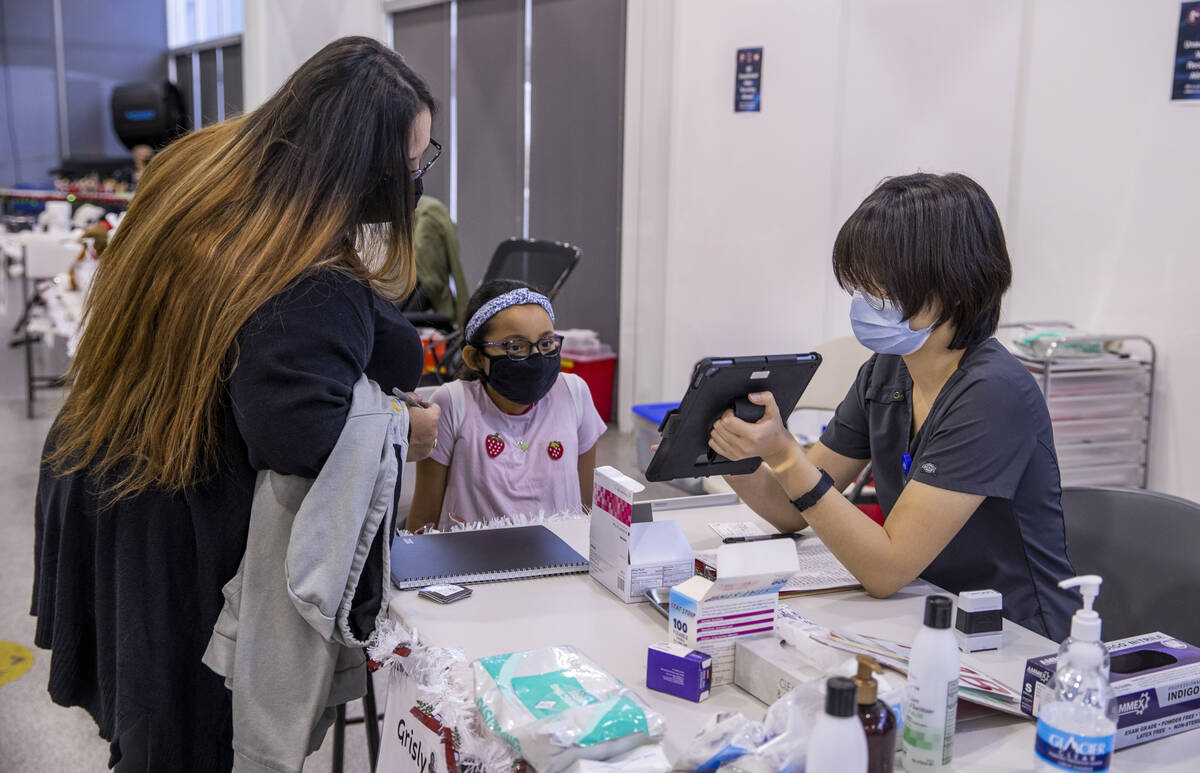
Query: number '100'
680 626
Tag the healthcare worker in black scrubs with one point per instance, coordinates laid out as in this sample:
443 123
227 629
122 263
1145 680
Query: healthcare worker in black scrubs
955 428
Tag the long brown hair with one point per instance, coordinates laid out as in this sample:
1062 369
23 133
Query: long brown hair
223 220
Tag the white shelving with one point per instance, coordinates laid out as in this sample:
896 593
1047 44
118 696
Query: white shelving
1100 406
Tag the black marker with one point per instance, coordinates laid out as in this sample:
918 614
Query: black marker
761 537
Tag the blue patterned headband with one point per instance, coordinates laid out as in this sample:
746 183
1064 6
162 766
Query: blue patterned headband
518 297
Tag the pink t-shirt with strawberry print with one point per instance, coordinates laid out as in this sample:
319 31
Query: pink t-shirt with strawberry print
504 465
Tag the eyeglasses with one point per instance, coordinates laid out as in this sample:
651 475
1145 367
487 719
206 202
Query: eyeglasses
437 153
879 304
519 348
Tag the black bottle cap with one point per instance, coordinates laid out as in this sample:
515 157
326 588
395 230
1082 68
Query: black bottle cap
841 697
937 611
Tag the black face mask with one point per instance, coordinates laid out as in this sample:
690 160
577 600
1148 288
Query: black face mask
418 189
523 381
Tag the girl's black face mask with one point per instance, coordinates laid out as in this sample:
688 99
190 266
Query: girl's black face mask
523 381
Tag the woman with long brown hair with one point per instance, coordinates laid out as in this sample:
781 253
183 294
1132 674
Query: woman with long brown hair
242 297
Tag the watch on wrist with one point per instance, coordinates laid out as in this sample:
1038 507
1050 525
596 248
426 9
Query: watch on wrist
814 495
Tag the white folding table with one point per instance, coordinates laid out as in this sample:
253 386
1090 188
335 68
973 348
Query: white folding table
574 609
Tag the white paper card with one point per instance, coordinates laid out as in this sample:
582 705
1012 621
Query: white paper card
736 529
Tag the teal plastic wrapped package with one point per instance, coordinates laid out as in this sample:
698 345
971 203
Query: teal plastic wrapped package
554 706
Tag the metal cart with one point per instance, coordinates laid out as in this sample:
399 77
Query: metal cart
1099 390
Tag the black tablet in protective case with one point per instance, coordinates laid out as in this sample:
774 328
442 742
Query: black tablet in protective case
718 384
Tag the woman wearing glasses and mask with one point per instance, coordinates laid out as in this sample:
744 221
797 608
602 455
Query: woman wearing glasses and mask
955 428
246 292
516 437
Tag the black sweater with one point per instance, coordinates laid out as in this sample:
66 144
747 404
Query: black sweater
126 597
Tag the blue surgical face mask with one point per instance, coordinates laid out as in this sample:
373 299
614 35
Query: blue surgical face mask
880 326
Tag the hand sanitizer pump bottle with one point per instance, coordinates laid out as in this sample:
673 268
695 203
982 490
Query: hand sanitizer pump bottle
1078 724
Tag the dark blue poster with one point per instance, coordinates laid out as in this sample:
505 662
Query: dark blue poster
747 82
1187 54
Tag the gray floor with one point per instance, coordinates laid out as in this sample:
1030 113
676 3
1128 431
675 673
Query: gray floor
35 734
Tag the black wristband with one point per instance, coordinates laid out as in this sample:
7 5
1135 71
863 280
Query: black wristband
806 501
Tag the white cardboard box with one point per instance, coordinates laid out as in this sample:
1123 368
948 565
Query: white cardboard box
767 668
711 615
628 553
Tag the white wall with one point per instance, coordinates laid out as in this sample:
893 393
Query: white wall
852 92
748 202
1103 227
929 85
280 34
1058 107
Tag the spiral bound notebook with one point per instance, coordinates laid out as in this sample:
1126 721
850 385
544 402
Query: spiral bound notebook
481 555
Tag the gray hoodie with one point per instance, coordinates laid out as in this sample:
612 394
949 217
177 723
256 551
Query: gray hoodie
283 641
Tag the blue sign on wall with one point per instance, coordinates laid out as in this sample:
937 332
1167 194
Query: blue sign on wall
747 82
1187 54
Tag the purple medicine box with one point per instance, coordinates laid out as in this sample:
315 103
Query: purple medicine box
679 671
1157 681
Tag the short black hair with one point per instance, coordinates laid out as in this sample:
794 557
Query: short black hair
486 292
924 239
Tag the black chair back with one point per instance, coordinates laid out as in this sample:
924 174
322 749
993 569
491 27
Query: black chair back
1144 546
543 265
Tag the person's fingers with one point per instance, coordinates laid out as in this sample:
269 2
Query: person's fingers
735 426
728 442
731 451
721 431
767 400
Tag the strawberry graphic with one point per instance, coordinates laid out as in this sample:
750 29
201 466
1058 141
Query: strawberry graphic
494 445
555 449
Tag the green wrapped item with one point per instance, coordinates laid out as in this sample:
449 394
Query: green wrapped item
554 706
1038 344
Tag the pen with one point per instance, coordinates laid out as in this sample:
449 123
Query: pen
761 537
408 400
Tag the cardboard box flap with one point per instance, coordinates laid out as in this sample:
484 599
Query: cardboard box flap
658 542
745 566
615 480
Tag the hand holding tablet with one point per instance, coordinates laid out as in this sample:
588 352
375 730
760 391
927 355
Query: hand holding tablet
720 388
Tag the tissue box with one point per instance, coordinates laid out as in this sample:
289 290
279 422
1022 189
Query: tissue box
711 615
679 671
768 669
628 552
1156 679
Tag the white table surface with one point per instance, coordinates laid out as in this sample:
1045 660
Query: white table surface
575 609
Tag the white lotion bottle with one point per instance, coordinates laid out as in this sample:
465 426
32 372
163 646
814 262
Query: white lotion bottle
931 695
838 743
1077 725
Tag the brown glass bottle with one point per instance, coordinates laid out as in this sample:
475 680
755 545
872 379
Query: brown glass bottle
877 719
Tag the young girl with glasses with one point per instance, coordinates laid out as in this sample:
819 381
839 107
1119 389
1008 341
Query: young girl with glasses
516 436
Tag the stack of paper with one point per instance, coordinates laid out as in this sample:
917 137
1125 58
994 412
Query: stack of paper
973 685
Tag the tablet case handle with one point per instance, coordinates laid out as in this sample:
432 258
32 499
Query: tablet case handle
747 411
